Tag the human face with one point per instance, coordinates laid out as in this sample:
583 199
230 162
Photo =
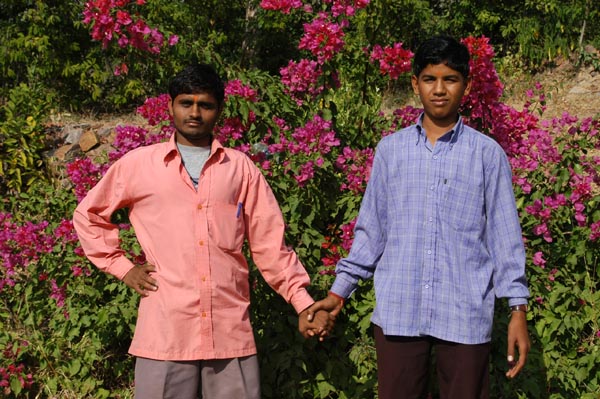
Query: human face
194 117
441 90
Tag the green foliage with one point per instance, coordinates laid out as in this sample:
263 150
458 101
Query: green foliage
22 138
536 30
78 350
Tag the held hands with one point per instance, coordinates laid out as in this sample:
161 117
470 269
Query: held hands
319 318
517 337
321 326
140 280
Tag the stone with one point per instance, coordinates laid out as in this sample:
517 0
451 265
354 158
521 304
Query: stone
88 140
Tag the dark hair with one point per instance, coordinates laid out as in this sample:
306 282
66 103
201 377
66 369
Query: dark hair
442 50
197 78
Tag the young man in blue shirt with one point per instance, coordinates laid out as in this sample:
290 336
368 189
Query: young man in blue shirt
438 230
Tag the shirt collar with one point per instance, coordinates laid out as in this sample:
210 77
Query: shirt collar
171 152
451 137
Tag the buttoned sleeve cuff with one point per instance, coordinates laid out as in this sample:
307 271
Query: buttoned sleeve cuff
342 287
301 300
517 301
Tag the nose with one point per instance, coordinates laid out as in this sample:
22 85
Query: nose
439 87
195 110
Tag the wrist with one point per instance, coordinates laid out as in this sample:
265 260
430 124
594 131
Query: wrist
336 296
518 308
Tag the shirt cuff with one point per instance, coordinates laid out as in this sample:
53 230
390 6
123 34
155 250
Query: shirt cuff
120 267
517 301
342 287
301 300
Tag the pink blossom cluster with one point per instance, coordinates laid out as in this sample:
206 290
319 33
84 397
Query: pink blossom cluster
302 78
84 174
393 60
542 210
403 117
237 88
285 6
233 128
59 293
538 259
486 87
14 371
595 231
356 166
335 251
316 137
156 110
128 138
346 7
323 38
20 245
110 20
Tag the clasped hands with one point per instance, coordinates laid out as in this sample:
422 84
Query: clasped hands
318 319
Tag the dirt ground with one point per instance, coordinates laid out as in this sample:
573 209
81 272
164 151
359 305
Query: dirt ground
567 88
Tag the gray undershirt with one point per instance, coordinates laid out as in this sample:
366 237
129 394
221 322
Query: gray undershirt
193 159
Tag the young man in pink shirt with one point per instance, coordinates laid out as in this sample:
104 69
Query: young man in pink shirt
193 203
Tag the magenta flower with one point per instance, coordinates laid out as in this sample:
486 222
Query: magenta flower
356 165
237 88
301 79
315 137
323 38
538 259
393 61
346 7
285 6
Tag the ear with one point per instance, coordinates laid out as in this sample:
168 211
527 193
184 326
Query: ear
170 105
414 81
468 86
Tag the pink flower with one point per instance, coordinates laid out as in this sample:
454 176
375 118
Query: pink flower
323 38
393 61
237 88
315 137
301 79
285 6
539 260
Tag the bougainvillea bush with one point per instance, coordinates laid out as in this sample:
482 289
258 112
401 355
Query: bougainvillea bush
312 129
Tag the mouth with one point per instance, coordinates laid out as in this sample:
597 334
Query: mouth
439 102
193 123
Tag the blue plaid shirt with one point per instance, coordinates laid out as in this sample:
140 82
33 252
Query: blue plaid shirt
438 230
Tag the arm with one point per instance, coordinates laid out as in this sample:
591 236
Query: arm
504 239
265 232
518 338
92 220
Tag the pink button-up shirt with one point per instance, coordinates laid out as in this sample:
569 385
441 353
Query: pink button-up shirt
194 239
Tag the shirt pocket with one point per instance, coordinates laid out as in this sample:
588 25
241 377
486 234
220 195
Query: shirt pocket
462 205
226 227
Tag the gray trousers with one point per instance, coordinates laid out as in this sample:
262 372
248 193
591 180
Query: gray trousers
237 378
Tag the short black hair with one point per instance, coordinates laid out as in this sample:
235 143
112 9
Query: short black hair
197 78
442 50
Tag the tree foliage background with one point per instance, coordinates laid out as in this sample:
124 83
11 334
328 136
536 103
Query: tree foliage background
65 327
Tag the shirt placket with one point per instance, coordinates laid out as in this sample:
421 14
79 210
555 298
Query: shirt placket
203 261
431 158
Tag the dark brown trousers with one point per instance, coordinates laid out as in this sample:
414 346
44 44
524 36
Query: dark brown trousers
403 367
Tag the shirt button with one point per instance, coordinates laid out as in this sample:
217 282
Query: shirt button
426 286
431 219
203 278
432 187
199 206
435 157
429 252
203 314
201 243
